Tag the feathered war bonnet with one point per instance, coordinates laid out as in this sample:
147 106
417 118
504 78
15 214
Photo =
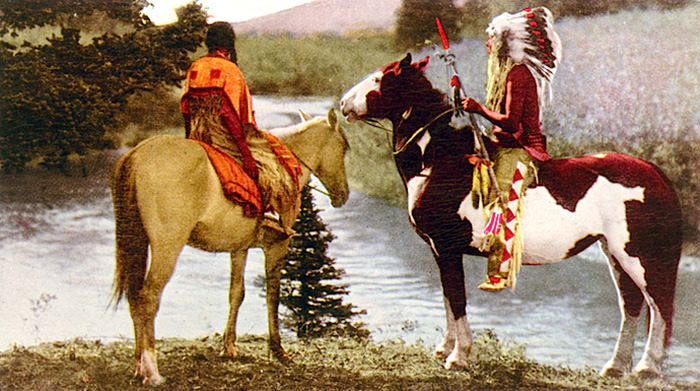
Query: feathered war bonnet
528 38
220 35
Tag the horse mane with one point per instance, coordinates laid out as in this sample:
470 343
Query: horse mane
430 106
295 129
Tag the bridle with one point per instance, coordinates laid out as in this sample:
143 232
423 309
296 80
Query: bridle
311 170
376 124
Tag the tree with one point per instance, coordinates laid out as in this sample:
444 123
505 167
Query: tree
416 22
315 305
61 95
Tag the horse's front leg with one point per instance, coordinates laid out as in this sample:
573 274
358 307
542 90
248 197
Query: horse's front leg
236 295
457 343
274 260
448 340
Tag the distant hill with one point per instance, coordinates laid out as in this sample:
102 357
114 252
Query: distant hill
326 16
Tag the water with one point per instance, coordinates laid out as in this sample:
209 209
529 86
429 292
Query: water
57 254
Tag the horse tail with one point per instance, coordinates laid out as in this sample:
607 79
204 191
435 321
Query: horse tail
666 247
131 237
673 252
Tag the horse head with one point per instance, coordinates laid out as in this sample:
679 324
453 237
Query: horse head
400 92
331 170
320 144
388 92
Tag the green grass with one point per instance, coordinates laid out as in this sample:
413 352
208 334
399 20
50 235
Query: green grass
318 364
321 65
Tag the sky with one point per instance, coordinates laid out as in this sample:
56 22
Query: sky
163 11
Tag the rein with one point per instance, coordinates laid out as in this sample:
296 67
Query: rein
419 130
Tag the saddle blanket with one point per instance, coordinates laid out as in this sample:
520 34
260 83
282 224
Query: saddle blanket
241 188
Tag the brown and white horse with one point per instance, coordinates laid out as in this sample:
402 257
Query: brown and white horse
166 194
624 203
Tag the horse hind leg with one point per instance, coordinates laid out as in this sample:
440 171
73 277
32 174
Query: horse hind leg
630 280
144 306
630 300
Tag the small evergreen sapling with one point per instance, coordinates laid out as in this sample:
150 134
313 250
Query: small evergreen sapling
314 301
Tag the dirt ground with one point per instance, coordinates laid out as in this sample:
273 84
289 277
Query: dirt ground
318 364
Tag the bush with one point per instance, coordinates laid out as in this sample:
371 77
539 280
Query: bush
62 95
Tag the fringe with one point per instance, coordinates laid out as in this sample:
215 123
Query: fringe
277 187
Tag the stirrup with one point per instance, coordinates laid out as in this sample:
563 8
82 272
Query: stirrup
494 284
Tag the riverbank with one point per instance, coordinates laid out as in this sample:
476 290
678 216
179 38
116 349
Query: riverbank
318 364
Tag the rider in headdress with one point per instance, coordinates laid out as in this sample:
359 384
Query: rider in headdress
524 51
217 108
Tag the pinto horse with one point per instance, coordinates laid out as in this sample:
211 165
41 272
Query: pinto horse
166 194
625 204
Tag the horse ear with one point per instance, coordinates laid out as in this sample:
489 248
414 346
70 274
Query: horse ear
406 61
332 118
422 64
304 116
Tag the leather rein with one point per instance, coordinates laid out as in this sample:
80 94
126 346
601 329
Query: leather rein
416 133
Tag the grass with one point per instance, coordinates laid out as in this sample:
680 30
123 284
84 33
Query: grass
318 364
323 65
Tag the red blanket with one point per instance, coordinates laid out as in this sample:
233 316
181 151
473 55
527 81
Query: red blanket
238 186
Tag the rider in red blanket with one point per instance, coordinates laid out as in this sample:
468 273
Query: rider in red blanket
217 109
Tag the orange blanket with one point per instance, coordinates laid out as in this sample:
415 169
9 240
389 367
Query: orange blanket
237 185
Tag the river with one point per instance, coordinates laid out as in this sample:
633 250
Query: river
57 257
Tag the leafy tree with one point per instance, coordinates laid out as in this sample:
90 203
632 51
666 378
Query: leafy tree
416 22
315 304
60 96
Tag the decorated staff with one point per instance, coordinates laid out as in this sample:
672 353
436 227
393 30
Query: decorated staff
457 92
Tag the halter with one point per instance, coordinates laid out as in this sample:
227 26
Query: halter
311 170
303 163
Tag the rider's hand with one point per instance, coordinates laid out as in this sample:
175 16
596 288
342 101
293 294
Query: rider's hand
470 105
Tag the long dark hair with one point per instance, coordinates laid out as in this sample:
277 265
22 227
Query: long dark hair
221 36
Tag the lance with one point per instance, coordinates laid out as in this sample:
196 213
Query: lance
458 87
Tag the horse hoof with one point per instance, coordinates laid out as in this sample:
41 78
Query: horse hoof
153 380
647 373
283 357
456 365
612 372
229 352
440 355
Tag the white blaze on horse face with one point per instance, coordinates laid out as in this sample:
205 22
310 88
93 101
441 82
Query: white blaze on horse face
551 231
354 103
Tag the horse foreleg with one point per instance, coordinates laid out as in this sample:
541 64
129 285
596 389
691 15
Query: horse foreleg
448 340
458 333
235 298
274 260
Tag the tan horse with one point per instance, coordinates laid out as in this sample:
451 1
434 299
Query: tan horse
166 194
